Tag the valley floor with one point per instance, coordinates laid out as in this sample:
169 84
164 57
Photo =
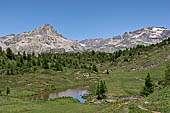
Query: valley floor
120 84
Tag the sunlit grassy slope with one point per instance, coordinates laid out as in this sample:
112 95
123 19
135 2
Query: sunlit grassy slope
125 78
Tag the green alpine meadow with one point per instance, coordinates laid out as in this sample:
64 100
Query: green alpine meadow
114 84
84 56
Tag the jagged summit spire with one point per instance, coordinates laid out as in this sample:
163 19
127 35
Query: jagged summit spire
47 26
45 29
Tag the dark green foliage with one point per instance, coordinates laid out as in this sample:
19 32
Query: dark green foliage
149 86
33 62
28 57
126 59
7 90
21 61
107 72
9 54
60 61
165 81
12 70
38 62
167 73
101 90
0 49
58 67
19 54
33 54
93 52
7 72
94 68
45 64
24 56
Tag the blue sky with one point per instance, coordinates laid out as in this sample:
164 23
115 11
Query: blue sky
82 19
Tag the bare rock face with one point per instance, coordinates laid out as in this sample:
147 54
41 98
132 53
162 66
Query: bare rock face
41 40
145 36
46 40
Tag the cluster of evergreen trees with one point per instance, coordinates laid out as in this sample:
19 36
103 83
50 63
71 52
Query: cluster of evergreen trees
20 63
12 64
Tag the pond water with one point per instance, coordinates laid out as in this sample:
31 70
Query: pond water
76 93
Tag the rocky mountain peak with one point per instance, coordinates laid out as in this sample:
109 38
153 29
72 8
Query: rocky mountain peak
45 30
145 36
44 39
47 27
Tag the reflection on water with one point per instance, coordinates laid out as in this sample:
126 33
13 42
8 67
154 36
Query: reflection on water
74 92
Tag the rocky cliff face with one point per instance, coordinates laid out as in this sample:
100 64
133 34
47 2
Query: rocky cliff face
46 40
145 36
41 40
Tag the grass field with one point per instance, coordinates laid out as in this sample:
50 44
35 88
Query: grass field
122 81
119 84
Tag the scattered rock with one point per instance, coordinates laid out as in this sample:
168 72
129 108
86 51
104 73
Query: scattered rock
146 102
110 100
29 84
85 75
129 98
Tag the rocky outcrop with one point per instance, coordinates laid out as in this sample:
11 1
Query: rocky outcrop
145 36
46 40
41 40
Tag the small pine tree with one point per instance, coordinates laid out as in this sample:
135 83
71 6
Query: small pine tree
33 54
7 90
21 61
24 56
101 90
9 53
107 72
149 86
19 54
98 92
28 57
94 68
12 70
33 62
7 72
38 62
45 64
167 73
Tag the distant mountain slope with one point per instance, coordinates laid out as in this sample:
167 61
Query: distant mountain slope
41 40
145 36
46 40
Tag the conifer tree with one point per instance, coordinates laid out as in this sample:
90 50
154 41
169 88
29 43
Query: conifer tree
167 73
149 86
45 64
101 90
24 56
107 72
38 62
33 62
21 61
9 53
94 68
7 90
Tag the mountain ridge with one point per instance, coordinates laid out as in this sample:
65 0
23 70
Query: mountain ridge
45 39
